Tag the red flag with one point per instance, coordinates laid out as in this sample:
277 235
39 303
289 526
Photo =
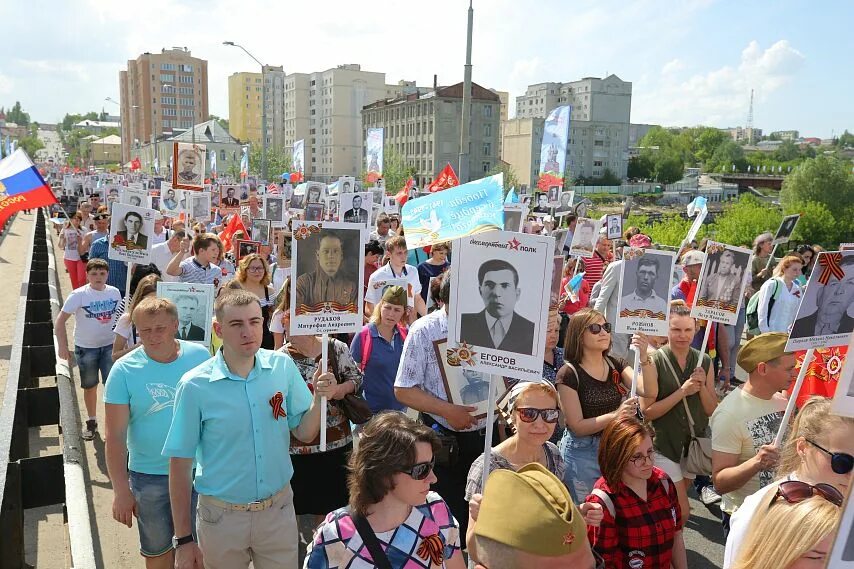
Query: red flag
823 372
135 164
234 224
403 195
447 178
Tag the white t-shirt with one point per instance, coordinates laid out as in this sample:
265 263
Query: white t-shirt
279 276
276 325
93 315
161 256
156 239
386 273
124 328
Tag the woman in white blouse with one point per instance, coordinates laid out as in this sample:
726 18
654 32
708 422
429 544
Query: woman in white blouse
780 296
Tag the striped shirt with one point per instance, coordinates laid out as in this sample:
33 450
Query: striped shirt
594 267
194 272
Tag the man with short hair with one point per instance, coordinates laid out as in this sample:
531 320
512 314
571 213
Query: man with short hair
236 413
93 306
356 214
131 237
139 398
188 308
396 268
229 200
644 296
169 202
746 422
833 299
594 266
198 268
382 232
327 282
162 253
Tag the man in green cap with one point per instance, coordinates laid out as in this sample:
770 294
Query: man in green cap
746 422
527 519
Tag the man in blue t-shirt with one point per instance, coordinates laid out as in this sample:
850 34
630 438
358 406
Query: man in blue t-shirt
139 399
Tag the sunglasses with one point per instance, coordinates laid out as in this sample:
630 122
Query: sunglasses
794 492
596 328
530 414
840 462
421 470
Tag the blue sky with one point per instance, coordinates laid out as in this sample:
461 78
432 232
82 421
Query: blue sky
691 61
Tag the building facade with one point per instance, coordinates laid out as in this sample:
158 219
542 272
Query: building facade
107 150
160 95
154 157
521 139
599 125
423 127
244 106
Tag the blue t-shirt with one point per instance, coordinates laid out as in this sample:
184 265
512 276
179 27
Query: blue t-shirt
149 388
379 374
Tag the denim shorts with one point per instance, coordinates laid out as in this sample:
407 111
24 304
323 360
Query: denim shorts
92 360
581 460
154 512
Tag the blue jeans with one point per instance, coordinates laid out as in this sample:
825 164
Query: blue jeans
581 463
154 512
92 360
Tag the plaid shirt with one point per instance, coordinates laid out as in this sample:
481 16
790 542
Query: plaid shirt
642 533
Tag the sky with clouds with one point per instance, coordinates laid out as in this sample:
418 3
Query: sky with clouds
690 61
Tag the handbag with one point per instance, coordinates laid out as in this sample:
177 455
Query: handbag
699 457
354 407
369 538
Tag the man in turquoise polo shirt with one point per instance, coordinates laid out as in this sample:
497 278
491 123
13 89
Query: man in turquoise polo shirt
139 399
236 412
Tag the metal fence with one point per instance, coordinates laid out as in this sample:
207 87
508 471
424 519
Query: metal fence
37 481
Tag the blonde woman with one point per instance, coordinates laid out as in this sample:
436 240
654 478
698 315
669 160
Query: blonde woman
780 296
819 450
253 274
126 338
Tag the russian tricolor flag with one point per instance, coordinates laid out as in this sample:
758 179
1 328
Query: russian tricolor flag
21 186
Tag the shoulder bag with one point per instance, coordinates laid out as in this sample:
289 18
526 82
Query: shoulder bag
355 408
369 538
699 457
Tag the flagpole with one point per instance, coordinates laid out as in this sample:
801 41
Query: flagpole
793 397
324 367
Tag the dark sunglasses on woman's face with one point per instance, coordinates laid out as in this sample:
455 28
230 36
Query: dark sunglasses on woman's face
596 328
421 470
530 414
795 491
840 462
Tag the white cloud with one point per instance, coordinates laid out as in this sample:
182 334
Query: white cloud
6 84
673 66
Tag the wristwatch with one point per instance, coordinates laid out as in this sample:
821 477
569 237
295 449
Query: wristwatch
179 541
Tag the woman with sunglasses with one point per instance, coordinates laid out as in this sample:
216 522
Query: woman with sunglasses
796 529
593 387
642 521
681 386
392 509
253 274
819 450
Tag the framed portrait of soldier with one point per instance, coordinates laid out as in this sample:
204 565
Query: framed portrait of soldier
464 385
332 208
130 228
584 238
614 223
297 197
644 296
787 227
514 216
391 206
274 210
826 314
262 229
188 170
541 204
582 206
133 196
356 208
564 205
315 192
195 309
247 247
560 236
378 194
720 289
554 196
170 202
229 197
153 202
346 185
314 212
200 205
490 328
328 268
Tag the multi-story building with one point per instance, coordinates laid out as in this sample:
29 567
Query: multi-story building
161 94
637 132
792 135
521 139
107 150
599 126
424 128
209 133
741 134
244 106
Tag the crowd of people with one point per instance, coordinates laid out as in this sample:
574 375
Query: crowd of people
214 450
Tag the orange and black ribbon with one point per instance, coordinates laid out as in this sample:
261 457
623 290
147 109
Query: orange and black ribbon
276 403
830 266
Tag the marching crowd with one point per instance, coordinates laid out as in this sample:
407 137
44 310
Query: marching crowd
214 452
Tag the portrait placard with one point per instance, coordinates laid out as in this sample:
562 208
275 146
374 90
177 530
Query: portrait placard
332 208
247 247
464 385
274 210
554 195
557 277
188 166
229 198
560 236
542 205
584 238
720 290
489 329
261 231
787 227
130 227
841 555
824 316
376 289
843 398
614 223
328 266
356 207
346 185
514 216
645 291
564 206
134 196
200 205
171 202
195 309
314 212
315 192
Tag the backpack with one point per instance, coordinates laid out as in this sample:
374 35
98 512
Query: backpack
752 313
367 342
609 503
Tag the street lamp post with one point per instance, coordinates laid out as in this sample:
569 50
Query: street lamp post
465 135
263 109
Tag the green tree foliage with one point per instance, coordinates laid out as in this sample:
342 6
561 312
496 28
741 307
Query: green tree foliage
787 151
845 140
818 226
724 156
744 220
395 171
510 179
668 167
824 179
17 115
671 230
30 144
608 178
222 122
641 167
278 161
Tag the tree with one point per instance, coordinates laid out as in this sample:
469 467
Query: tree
724 156
657 136
823 179
510 179
846 139
69 121
668 168
278 161
671 230
641 167
222 122
103 116
708 142
787 151
30 144
744 220
17 115
819 226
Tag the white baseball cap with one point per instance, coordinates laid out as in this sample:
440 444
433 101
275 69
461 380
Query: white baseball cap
693 257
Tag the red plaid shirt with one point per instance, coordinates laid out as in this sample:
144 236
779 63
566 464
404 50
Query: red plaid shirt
643 531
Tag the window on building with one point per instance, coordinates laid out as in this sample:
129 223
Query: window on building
487 129
486 167
487 111
222 155
598 143
597 163
487 149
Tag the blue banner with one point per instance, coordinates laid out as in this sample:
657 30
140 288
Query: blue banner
463 210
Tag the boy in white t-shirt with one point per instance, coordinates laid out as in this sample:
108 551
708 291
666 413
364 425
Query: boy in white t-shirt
93 306
396 268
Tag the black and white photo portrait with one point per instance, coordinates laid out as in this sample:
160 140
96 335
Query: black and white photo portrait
332 208
614 223
554 196
261 230
314 212
645 291
314 192
584 238
542 204
195 307
564 205
356 208
826 314
130 227
274 210
514 215
247 247
787 227
200 205
228 197
188 170
720 288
